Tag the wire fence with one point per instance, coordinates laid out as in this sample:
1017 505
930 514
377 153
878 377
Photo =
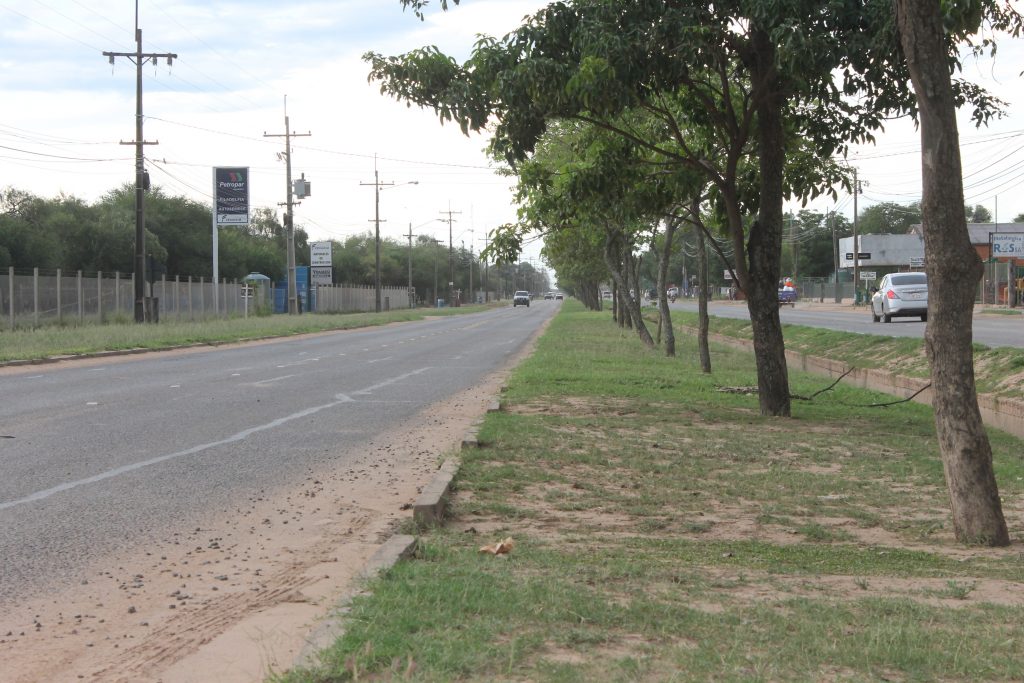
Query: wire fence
60 298
57 298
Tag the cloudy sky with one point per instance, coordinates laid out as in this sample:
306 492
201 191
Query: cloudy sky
64 109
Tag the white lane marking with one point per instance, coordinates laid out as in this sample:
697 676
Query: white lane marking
175 386
264 382
245 433
387 382
378 360
92 403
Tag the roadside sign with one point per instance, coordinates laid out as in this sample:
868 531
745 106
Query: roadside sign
1007 244
319 253
860 255
231 196
868 275
320 275
917 262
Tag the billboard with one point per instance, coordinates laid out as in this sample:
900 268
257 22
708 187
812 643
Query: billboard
231 196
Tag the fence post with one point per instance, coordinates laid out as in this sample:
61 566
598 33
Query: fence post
35 297
190 297
177 297
99 295
202 298
60 316
10 294
78 294
117 292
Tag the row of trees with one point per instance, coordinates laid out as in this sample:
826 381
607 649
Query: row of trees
626 121
69 234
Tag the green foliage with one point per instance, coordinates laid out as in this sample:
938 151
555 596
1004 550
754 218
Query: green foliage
889 218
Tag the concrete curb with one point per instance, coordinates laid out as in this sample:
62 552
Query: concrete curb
429 510
330 629
431 506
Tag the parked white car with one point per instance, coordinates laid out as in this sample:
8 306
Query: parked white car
900 295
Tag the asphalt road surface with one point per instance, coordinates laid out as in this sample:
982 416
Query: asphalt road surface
992 330
96 457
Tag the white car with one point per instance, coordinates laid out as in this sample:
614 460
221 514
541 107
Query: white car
521 297
900 295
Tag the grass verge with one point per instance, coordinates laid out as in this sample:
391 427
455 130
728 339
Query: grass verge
665 531
73 339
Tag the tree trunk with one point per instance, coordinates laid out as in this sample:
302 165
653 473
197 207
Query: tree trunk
702 302
953 269
629 304
663 310
764 246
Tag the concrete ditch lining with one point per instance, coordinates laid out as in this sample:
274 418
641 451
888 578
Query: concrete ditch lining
1002 413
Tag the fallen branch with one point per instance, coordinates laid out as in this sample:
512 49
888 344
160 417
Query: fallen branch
891 403
822 391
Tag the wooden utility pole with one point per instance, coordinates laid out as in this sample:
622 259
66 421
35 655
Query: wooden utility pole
289 219
141 185
376 222
451 261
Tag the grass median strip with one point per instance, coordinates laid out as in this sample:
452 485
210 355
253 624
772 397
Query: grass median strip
664 530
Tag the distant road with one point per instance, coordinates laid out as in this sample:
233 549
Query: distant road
989 329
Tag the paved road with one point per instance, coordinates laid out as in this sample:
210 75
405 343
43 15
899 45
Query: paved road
99 456
989 329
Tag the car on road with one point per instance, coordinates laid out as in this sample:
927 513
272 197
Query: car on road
521 298
900 295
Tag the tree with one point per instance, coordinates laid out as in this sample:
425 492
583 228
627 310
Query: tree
759 76
953 266
978 214
889 218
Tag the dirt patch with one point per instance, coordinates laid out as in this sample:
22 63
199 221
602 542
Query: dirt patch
234 599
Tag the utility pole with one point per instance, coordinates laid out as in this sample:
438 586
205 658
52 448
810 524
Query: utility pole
411 297
487 279
472 295
139 58
856 239
289 219
376 220
436 245
451 261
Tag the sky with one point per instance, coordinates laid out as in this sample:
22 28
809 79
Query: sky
64 108
242 64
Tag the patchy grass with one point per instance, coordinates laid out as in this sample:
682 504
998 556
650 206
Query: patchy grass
665 531
73 339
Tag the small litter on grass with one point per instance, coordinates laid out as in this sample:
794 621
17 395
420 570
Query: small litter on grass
500 548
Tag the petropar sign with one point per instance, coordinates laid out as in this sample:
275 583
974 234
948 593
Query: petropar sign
231 195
